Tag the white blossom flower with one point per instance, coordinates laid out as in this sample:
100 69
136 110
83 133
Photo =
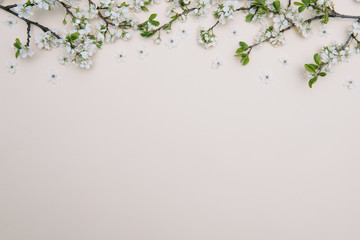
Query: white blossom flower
182 18
305 29
183 31
323 31
172 41
10 22
350 83
11 67
266 77
217 63
53 76
121 56
284 61
202 7
141 52
280 22
234 32
64 59
355 29
26 51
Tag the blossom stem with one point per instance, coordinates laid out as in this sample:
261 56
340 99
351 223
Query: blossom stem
67 8
105 19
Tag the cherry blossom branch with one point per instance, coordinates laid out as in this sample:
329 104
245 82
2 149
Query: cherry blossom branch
27 21
331 15
236 10
177 16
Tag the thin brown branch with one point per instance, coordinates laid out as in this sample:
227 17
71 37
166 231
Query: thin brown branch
27 21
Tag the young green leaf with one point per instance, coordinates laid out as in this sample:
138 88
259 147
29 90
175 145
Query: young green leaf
301 9
310 68
249 17
317 59
152 16
312 81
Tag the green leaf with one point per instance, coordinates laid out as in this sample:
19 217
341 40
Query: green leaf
243 45
64 21
239 50
302 8
306 2
17 43
312 81
145 34
155 23
144 8
74 36
317 59
298 4
322 74
152 16
17 53
262 11
244 59
167 26
277 5
249 17
310 68
325 18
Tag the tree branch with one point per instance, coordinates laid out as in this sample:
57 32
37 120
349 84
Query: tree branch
27 21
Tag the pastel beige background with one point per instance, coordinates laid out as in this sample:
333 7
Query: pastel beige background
167 148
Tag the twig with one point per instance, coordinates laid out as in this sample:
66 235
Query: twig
28 34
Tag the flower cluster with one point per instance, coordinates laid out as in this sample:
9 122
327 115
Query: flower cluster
202 7
328 57
47 41
225 11
207 38
270 34
118 15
